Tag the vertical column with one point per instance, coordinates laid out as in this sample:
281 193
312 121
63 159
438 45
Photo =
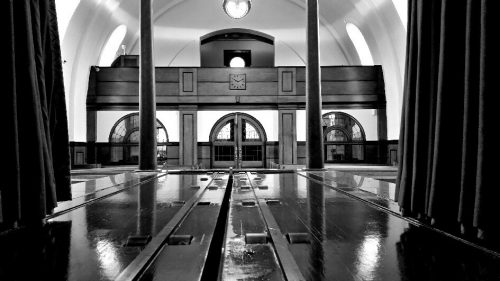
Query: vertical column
382 136
188 142
147 95
314 143
317 226
146 208
287 136
91 136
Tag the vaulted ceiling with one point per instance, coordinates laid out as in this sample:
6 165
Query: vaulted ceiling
180 23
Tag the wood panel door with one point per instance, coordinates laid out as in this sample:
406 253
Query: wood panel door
238 141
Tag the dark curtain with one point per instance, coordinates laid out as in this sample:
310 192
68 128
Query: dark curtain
447 144
35 173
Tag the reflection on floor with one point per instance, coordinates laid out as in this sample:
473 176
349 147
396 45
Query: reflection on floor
384 173
270 225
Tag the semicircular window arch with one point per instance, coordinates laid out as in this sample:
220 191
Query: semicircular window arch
339 125
126 130
336 135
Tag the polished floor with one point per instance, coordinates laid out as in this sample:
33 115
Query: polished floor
247 225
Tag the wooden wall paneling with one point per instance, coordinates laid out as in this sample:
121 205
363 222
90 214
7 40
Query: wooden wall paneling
167 74
188 84
120 74
173 150
349 87
91 156
272 153
218 75
350 73
301 88
188 150
287 137
91 125
381 123
167 89
252 88
343 86
132 89
204 153
120 88
301 74
286 81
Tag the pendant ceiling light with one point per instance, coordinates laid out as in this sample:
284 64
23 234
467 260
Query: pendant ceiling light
237 8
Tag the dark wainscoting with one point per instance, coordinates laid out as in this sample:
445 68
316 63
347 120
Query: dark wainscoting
84 155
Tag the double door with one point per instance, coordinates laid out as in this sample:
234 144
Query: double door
238 142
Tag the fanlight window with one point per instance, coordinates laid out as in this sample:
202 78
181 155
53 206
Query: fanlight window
250 133
346 123
126 130
227 132
134 137
336 135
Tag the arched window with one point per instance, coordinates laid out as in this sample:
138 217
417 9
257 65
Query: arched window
126 130
108 53
124 139
357 38
238 140
344 138
336 135
346 123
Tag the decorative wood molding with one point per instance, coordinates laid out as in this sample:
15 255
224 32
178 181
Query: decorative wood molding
287 81
188 81
269 87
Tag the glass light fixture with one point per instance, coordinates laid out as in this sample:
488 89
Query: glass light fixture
237 8
237 62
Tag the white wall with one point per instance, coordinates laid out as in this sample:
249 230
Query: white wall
268 119
207 119
170 120
180 23
364 116
105 122
107 119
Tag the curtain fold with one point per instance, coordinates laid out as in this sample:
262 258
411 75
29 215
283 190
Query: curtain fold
447 149
36 166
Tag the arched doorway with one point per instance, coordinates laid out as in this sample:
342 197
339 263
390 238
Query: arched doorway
124 140
344 138
238 140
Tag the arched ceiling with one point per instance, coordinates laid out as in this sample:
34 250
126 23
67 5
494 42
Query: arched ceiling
180 23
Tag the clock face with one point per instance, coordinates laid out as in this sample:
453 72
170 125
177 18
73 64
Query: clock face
237 82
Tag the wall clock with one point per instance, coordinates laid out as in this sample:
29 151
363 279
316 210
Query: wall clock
237 82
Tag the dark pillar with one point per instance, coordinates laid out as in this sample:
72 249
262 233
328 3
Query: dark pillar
317 226
314 143
91 154
146 208
147 99
382 136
